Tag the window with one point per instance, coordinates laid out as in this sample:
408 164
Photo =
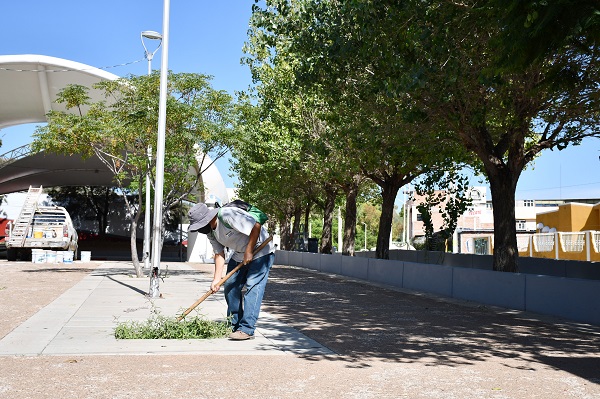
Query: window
475 195
521 224
419 217
528 203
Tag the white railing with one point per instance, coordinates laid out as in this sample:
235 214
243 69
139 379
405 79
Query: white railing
581 245
522 242
14 155
543 242
572 242
596 240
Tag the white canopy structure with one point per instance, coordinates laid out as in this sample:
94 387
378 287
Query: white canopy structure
29 85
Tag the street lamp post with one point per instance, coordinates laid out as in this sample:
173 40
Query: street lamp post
151 35
160 158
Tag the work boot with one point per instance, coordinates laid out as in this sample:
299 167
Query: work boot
240 336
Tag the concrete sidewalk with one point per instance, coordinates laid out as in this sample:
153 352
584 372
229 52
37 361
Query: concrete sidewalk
82 320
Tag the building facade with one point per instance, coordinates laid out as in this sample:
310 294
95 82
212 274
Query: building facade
475 228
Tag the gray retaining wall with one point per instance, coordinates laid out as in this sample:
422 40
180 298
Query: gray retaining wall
557 294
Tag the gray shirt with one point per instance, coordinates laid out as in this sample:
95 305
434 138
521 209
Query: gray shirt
233 231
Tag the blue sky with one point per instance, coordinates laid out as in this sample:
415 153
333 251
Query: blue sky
207 37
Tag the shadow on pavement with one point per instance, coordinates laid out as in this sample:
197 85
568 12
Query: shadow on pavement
363 322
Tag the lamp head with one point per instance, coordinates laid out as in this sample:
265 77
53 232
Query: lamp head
152 35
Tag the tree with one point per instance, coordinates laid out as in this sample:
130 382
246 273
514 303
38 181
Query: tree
446 191
325 43
119 130
438 64
505 117
368 218
299 115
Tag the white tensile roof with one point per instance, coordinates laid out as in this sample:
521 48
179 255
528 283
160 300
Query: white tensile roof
29 85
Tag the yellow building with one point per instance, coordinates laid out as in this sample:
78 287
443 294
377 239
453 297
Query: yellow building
572 217
570 232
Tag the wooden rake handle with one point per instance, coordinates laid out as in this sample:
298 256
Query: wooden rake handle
225 278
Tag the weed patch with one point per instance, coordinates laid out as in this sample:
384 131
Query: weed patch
161 327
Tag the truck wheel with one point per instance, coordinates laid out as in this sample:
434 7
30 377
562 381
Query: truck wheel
11 254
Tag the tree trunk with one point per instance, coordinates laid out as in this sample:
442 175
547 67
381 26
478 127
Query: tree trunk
104 209
134 223
134 253
506 253
326 236
350 218
306 220
286 236
388 194
296 229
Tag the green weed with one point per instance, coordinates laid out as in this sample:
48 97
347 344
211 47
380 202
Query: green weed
161 327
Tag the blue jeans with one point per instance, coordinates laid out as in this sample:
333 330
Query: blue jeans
244 309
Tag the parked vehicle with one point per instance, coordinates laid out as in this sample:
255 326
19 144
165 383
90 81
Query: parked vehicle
40 227
3 223
50 228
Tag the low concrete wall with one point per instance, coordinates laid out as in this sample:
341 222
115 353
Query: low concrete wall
331 263
390 272
506 290
424 277
556 295
528 265
311 261
354 267
573 299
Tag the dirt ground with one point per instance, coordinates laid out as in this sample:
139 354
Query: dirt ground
26 288
389 344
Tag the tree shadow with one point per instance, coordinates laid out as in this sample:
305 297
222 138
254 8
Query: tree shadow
362 322
136 289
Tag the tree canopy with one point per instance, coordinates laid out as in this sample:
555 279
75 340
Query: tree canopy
410 85
119 130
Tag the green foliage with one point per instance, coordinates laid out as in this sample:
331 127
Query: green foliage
369 213
364 127
119 130
405 86
447 191
162 327
535 29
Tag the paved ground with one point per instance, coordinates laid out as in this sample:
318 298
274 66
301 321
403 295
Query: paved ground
319 337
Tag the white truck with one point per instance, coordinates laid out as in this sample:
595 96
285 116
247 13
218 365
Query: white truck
39 227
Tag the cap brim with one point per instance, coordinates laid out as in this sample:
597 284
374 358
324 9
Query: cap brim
204 221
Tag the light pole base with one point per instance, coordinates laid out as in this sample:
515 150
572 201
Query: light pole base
154 291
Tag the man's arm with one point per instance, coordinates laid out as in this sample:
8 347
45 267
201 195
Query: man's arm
254 234
219 263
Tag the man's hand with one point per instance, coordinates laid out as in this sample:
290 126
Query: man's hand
248 256
215 286
219 264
